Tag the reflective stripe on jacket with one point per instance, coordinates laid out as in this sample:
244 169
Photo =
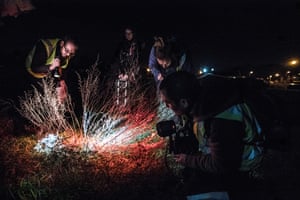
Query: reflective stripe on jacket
252 153
50 47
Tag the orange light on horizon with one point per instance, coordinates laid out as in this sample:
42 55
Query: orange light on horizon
293 62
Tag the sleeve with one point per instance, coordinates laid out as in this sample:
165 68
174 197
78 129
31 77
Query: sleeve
185 61
39 59
226 148
153 64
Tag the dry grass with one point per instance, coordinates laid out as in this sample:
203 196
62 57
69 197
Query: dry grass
43 109
134 171
102 118
111 151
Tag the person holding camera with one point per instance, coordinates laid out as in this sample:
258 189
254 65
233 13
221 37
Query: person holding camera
224 126
51 56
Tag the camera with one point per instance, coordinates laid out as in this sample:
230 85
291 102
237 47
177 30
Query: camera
181 139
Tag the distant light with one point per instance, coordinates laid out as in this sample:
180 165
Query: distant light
212 69
200 72
205 70
288 72
277 75
294 62
251 72
148 69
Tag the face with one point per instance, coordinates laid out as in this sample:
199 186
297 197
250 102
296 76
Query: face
165 63
68 49
177 109
128 34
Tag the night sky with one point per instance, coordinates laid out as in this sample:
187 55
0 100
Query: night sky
223 34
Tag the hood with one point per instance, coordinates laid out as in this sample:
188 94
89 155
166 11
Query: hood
216 95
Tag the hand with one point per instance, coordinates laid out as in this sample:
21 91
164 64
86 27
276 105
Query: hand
55 63
61 91
180 158
160 77
123 77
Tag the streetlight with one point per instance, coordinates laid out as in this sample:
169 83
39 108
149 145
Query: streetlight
293 62
277 74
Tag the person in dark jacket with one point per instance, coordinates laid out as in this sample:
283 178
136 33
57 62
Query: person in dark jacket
224 125
126 60
166 57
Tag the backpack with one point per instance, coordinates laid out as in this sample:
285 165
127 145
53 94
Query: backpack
267 107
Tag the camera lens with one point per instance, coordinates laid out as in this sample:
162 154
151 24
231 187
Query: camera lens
166 128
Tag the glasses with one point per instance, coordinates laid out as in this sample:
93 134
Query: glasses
68 51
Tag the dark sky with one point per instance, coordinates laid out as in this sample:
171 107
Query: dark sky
218 33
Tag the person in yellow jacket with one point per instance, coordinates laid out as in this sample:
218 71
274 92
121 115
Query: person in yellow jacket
225 127
51 56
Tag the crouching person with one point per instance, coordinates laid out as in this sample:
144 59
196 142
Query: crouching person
51 56
224 126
